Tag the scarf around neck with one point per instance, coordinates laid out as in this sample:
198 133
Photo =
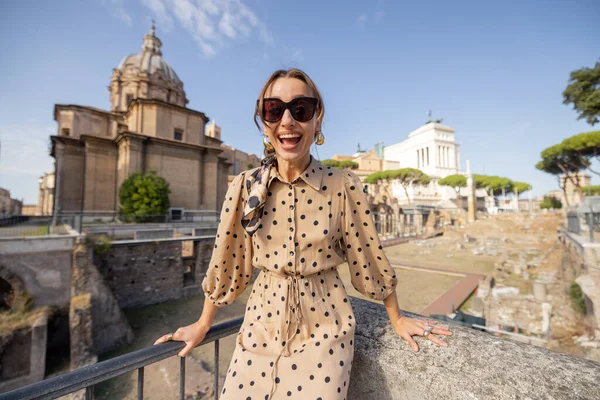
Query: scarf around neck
256 186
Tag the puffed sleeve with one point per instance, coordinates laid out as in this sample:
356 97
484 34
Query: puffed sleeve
372 274
230 268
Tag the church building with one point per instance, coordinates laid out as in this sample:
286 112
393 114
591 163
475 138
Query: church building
148 127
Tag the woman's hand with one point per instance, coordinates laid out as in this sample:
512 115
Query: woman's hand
406 327
192 335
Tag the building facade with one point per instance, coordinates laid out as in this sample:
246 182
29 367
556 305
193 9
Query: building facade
433 149
8 205
149 127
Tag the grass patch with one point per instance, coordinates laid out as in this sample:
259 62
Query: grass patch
12 321
40 231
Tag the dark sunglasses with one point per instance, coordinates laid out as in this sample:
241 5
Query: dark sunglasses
302 109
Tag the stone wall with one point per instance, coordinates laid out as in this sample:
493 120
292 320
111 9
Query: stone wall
107 324
23 355
581 263
43 265
475 365
149 272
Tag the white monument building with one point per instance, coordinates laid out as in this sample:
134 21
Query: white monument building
433 149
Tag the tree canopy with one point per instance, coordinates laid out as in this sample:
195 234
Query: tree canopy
406 177
583 92
570 156
520 187
495 185
454 181
144 195
558 160
343 164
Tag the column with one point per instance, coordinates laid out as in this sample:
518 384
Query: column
471 197
210 180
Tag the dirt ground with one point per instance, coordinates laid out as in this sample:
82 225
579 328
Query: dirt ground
495 246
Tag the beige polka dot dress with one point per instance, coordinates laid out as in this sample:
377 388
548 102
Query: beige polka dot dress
297 338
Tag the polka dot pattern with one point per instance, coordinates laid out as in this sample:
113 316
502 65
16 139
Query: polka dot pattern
297 338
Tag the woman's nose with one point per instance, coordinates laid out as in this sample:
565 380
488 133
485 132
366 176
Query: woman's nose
286 119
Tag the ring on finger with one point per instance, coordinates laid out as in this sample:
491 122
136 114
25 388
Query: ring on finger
169 337
426 333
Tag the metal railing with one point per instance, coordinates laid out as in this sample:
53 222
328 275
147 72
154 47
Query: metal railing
24 225
87 377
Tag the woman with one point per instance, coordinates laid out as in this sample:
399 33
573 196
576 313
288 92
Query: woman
296 220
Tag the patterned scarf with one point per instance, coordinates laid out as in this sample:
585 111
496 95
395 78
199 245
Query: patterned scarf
256 185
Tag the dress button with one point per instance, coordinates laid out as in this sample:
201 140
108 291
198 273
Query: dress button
291 229
291 207
290 186
291 253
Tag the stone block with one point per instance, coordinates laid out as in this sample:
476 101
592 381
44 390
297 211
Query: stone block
475 365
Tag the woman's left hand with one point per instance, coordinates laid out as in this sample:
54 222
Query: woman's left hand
406 327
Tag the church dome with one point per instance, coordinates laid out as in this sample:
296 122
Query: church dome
149 60
146 75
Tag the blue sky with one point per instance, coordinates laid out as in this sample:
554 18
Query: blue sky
495 71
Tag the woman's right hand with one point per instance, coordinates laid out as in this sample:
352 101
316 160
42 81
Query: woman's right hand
192 335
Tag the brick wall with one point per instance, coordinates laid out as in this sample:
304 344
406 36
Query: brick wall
149 272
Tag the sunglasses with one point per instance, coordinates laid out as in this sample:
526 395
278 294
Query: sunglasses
302 109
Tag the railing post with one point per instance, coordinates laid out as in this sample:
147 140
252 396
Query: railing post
181 378
89 393
216 377
140 395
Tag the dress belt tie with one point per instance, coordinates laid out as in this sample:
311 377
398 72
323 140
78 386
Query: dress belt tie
294 314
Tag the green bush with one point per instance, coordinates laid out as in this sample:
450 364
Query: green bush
143 197
102 244
577 300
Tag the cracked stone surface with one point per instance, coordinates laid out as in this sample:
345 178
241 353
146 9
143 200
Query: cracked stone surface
475 365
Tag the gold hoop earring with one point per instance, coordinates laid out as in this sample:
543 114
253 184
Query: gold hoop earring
320 139
268 146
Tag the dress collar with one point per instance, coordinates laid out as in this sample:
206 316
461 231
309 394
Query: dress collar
312 175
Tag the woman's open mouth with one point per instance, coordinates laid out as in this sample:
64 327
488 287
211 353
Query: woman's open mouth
289 140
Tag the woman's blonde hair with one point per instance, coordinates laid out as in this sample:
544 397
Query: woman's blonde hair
289 73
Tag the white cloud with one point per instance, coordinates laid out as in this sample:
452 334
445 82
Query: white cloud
117 10
211 23
25 156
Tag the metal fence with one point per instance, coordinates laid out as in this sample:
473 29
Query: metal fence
87 377
29 225
22 225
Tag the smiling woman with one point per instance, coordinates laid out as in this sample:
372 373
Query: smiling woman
296 220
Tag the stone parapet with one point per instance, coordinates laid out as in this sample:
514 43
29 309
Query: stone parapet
475 365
